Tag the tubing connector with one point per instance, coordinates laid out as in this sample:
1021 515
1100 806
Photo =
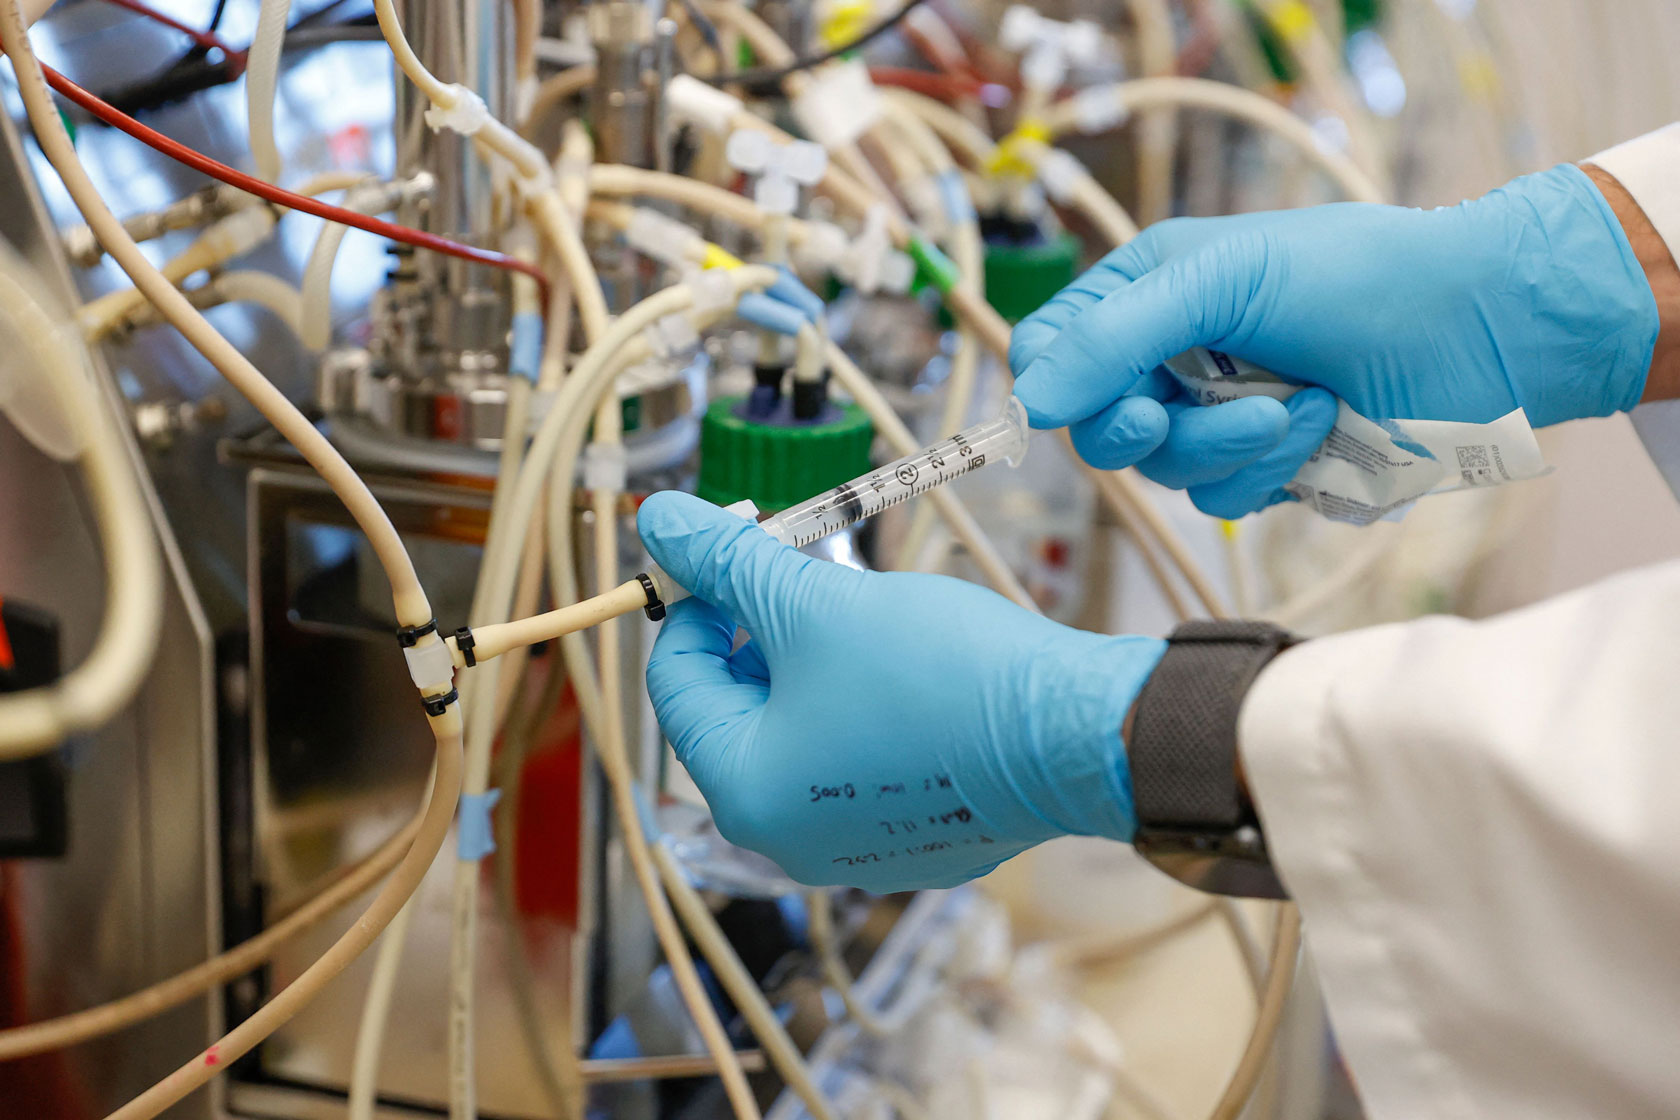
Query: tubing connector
1049 48
781 168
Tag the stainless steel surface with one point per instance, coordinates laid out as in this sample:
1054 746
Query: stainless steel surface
340 756
133 901
461 42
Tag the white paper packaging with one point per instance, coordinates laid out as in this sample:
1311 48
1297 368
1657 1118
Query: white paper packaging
1367 468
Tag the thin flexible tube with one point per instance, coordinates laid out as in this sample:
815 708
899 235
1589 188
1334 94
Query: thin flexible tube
280 197
960 134
527 29
262 80
363 1093
1157 129
1274 1000
1099 949
616 180
1232 101
551 448
434 829
409 598
376 1004
218 243
317 273
775 52
495 639
820 926
412 606
119 1014
38 719
557 226
1249 950
1320 66
741 987
491 134
592 376
1104 211
266 290
552 91
549 213
562 1079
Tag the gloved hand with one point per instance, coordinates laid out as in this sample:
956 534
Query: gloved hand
1528 296
883 730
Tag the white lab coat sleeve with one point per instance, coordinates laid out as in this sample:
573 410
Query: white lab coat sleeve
1648 167
1480 822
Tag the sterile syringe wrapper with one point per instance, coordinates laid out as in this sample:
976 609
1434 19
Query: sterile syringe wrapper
1367 468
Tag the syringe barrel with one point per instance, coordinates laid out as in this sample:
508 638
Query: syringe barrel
1003 438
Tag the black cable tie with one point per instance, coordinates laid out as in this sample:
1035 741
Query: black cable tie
464 642
655 609
409 636
437 705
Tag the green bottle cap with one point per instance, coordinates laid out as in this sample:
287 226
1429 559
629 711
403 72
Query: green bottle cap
778 461
1021 278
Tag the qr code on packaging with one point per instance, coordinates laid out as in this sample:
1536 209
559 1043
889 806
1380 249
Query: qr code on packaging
1474 465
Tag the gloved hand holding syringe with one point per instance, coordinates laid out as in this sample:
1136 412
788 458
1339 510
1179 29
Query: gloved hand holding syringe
1001 439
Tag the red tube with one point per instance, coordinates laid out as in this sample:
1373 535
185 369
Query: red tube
282 197
945 87
209 40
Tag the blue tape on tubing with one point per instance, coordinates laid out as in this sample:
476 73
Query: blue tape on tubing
475 838
526 346
789 290
771 314
954 196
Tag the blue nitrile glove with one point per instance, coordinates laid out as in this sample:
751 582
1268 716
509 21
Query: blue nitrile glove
1529 296
883 730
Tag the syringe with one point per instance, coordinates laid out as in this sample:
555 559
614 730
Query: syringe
1002 439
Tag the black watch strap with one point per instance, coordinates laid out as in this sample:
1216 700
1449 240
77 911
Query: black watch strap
1193 820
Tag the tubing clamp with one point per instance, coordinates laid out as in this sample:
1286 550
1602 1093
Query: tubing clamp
409 636
464 645
655 608
437 705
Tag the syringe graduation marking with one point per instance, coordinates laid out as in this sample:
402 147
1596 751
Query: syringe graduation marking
903 479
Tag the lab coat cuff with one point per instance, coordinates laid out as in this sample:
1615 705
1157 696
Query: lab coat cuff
1649 168
1304 783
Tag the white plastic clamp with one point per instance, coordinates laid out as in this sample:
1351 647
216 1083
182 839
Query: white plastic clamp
1049 47
871 264
839 104
781 168
467 115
